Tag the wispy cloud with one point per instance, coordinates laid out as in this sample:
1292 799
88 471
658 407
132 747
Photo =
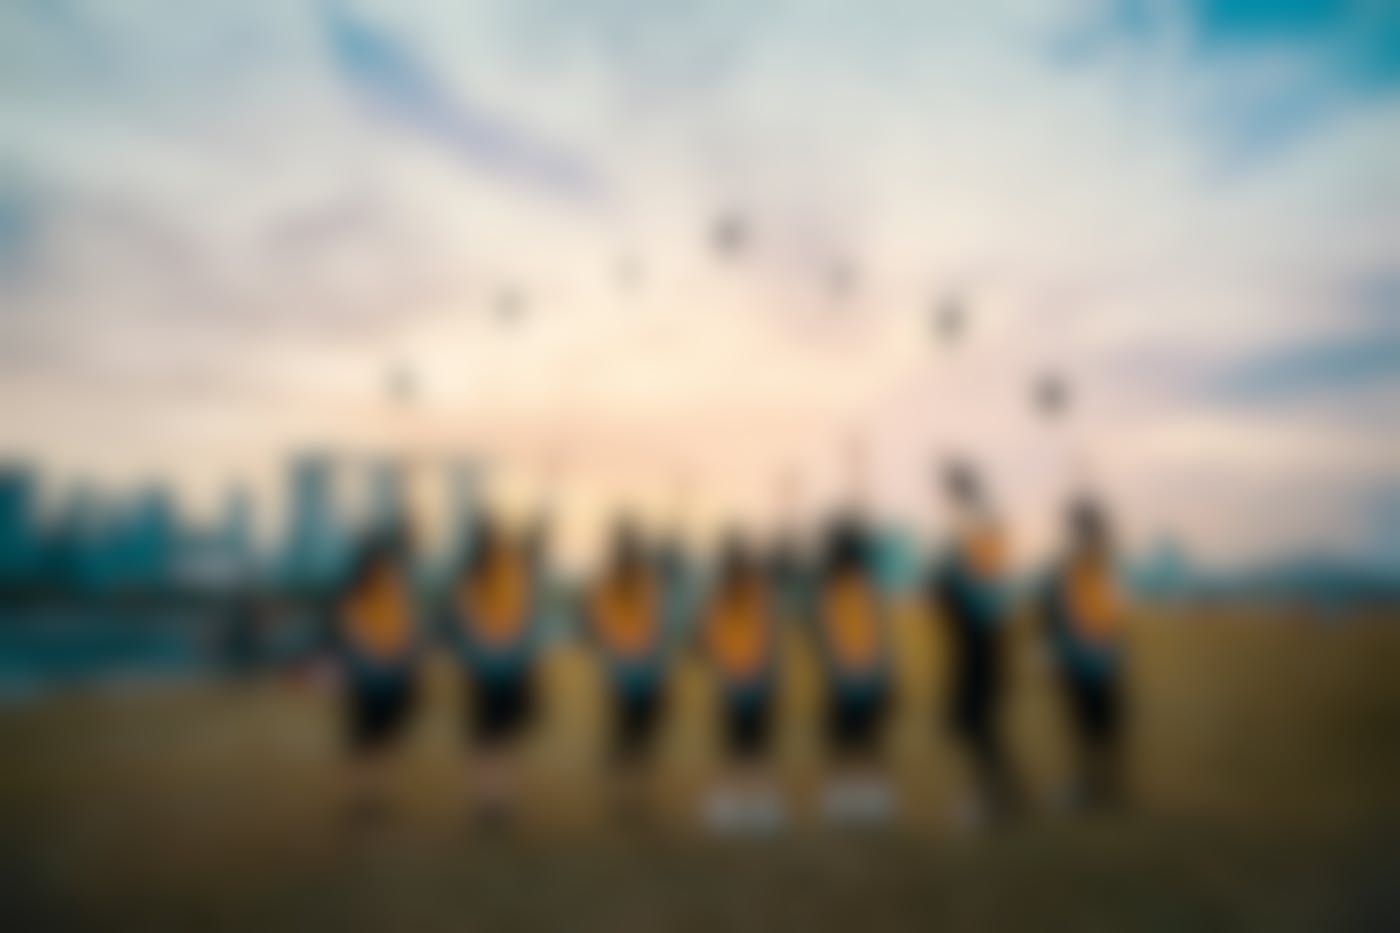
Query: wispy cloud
18 225
1264 75
199 213
658 53
1315 369
389 76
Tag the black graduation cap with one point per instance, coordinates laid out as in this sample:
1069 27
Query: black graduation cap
949 319
509 305
629 272
729 235
842 277
961 480
1051 395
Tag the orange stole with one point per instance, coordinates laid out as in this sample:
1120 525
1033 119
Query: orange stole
497 599
1095 607
624 617
377 616
736 631
851 621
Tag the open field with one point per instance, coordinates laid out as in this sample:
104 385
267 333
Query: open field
1265 756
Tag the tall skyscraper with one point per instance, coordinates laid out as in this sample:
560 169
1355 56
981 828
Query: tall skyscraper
74 559
19 539
463 499
235 532
314 542
388 500
140 552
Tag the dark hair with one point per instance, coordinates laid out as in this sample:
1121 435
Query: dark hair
1088 526
534 540
846 546
385 545
784 556
628 545
736 558
485 537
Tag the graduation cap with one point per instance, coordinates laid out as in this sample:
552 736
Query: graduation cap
1051 395
729 235
629 272
509 305
949 319
842 277
960 480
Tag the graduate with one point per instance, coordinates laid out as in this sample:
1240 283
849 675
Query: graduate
1082 612
376 632
968 589
625 614
739 641
493 616
852 634
850 625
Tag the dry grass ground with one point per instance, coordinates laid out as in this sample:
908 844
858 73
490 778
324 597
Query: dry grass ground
1265 755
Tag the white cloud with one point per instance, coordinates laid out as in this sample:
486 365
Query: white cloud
929 146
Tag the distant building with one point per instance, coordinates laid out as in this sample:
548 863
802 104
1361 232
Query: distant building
463 500
314 544
73 559
896 558
20 548
388 499
221 555
143 552
1163 572
235 531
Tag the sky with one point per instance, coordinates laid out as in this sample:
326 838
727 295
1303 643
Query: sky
224 226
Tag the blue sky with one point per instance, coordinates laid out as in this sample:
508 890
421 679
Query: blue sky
1338 54
221 222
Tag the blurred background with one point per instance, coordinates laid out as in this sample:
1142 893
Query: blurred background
272 274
